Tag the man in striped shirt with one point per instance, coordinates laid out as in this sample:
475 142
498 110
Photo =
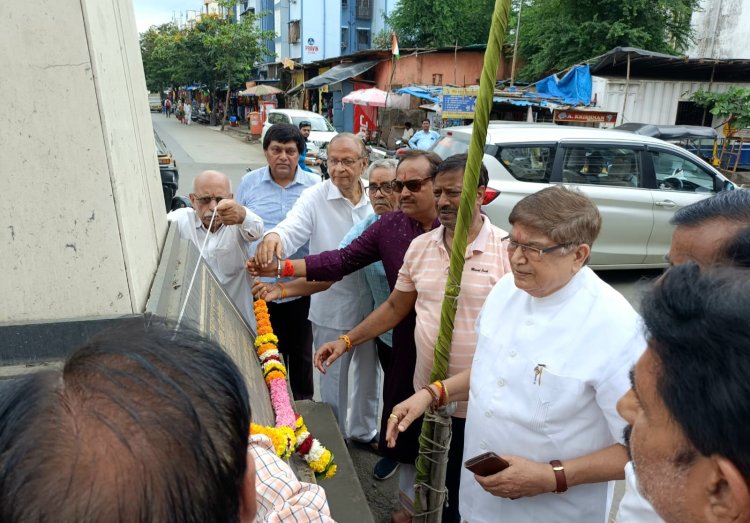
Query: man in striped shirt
421 284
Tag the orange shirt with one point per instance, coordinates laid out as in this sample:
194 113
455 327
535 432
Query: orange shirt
425 270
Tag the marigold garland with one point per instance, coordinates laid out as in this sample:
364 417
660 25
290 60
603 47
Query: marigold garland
290 433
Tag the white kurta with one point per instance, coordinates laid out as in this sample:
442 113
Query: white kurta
587 336
323 216
225 253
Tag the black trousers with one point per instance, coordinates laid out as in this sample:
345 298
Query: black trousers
453 470
291 326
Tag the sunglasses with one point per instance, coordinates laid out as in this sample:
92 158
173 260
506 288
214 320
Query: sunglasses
412 185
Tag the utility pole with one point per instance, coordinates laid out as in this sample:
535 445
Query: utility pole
515 44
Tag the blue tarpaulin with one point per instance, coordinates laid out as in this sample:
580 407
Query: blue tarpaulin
574 88
420 92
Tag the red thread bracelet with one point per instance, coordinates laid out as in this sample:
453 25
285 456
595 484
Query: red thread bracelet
288 268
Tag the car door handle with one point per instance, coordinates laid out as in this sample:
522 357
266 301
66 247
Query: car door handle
665 203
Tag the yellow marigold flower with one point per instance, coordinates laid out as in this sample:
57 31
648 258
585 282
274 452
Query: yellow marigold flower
330 472
275 375
266 338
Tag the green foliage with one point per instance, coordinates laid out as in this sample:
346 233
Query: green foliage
383 40
733 105
430 23
556 34
215 51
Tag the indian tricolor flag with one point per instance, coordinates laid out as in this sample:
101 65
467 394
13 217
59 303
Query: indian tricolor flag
394 51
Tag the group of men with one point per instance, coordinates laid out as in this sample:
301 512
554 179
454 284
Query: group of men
686 437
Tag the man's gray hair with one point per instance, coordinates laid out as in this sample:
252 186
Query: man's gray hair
387 163
727 205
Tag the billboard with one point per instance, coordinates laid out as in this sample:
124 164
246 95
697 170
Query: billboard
459 103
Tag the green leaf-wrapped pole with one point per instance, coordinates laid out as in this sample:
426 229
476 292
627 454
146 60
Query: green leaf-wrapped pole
458 250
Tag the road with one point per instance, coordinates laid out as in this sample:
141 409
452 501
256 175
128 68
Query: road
198 147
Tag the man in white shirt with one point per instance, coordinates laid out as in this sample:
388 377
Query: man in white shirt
323 215
233 228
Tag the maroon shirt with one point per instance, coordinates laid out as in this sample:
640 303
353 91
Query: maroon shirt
385 240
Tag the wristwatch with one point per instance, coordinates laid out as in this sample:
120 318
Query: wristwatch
561 482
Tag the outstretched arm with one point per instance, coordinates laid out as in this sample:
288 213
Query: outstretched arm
382 319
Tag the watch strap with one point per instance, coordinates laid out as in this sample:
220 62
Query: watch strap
560 479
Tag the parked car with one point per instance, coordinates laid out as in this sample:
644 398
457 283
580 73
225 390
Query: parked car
154 103
638 182
321 133
170 177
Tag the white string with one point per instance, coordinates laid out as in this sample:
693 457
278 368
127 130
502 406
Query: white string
195 271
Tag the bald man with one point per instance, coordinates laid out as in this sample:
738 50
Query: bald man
230 229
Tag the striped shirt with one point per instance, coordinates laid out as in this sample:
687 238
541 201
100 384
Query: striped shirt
280 495
425 271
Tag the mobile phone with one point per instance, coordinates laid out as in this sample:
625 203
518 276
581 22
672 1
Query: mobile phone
486 464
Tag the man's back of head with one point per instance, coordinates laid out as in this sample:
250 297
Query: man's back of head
140 425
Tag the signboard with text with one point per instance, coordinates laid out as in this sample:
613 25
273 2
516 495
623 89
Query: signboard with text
459 103
584 116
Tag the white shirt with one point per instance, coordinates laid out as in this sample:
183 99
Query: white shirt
323 216
225 253
587 336
633 507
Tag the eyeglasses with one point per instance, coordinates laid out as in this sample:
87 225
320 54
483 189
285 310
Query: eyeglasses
385 188
412 185
346 162
531 253
205 200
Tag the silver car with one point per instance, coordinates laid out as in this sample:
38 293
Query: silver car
636 181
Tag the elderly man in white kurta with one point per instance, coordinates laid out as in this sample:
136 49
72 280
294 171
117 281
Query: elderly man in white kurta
234 227
554 346
324 214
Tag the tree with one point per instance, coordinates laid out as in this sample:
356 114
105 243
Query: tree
215 51
427 23
158 52
732 105
556 34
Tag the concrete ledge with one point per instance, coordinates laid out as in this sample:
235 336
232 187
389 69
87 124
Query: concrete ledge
345 495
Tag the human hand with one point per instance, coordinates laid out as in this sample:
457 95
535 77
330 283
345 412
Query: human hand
405 413
256 270
523 478
229 212
267 291
269 247
329 352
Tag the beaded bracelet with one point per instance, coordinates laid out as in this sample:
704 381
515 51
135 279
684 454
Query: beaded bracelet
435 400
348 342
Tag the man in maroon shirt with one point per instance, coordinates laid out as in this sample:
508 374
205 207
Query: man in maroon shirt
387 240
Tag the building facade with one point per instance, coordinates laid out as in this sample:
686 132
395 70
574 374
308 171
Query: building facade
720 30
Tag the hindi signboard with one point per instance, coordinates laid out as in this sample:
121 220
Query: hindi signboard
459 103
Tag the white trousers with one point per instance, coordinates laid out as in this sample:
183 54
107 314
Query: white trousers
362 410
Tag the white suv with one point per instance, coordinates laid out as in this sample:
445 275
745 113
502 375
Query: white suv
321 130
636 181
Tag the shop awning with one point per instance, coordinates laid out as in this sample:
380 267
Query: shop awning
335 74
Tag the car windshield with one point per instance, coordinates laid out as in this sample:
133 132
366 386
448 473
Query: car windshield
317 123
449 145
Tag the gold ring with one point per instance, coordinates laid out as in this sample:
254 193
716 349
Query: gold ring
393 417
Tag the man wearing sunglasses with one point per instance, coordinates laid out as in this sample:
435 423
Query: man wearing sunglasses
230 228
385 240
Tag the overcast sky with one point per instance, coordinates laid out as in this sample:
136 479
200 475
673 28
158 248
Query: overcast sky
156 12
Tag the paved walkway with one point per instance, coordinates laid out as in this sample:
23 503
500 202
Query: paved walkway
198 147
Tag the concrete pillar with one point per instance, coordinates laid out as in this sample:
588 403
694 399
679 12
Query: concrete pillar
84 216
